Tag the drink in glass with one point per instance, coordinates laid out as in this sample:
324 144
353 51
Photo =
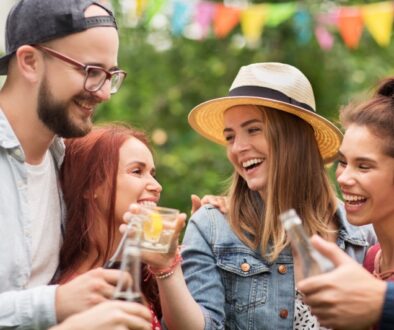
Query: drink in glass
157 227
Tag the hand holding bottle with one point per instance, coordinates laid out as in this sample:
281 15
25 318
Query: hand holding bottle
109 315
312 261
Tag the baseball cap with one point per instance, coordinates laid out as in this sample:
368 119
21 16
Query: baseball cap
37 21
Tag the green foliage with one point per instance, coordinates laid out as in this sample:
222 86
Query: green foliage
163 86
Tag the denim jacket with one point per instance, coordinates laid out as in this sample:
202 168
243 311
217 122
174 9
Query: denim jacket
19 307
235 286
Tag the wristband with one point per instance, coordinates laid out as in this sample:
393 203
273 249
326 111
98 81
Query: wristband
163 273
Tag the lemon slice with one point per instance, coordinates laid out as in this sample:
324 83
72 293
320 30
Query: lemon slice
153 227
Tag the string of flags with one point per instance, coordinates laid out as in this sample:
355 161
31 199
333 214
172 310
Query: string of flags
215 19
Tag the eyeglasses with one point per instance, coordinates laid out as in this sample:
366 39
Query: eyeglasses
95 76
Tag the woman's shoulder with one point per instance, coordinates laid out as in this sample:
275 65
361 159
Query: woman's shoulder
210 223
369 260
208 214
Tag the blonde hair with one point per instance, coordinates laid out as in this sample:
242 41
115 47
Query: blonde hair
296 179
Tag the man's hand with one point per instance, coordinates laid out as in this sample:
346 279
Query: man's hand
114 315
85 291
348 297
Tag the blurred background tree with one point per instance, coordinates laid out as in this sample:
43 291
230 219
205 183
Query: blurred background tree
170 74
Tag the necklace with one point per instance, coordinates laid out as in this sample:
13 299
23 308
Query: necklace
387 275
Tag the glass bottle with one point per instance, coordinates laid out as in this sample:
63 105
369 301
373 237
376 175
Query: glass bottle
115 261
128 286
312 261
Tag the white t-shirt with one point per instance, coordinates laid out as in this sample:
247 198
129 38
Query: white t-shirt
44 206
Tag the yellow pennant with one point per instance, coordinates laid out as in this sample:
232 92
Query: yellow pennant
252 22
140 7
378 19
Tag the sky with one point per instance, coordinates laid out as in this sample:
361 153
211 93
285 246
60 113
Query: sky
5 8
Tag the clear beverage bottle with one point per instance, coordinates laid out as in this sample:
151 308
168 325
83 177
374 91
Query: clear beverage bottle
312 261
128 286
115 261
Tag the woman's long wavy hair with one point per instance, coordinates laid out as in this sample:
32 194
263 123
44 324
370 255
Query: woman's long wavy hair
91 162
296 179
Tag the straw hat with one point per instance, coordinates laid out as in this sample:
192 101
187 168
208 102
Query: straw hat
275 85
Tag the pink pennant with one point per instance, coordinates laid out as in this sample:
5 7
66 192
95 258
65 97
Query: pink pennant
328 18
324 37
205 12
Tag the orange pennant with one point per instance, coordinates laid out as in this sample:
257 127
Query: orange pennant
226 18
350 24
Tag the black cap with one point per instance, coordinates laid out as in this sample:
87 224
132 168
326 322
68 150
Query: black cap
37 21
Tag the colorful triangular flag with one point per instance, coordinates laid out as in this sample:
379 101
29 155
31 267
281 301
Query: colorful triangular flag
378 19
350 24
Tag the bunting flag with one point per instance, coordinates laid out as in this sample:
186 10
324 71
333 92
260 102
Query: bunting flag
324 37
329 18
252 23
378 19
325 22
280 12
153 8
226 18
180 17
303 25
140 7
205 11
217 19
350 24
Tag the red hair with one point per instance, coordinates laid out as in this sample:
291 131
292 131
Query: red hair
91 162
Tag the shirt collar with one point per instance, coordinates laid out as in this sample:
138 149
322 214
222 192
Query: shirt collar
347 232
8 140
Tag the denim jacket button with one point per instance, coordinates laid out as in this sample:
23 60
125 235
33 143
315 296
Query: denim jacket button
283 313
282 269
245 267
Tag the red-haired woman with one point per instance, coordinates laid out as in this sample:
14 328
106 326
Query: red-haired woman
102 174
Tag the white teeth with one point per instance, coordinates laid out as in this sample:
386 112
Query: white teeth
353 198
84 105
252 162
147 203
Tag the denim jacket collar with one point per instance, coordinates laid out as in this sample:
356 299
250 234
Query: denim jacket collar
347 232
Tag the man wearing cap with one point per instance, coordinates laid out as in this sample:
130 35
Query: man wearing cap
61 63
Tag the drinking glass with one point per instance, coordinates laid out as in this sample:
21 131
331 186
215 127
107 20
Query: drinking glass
157 227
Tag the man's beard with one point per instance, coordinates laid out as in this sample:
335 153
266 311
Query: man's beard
54 114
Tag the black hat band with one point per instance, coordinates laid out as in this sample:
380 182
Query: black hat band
269 93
